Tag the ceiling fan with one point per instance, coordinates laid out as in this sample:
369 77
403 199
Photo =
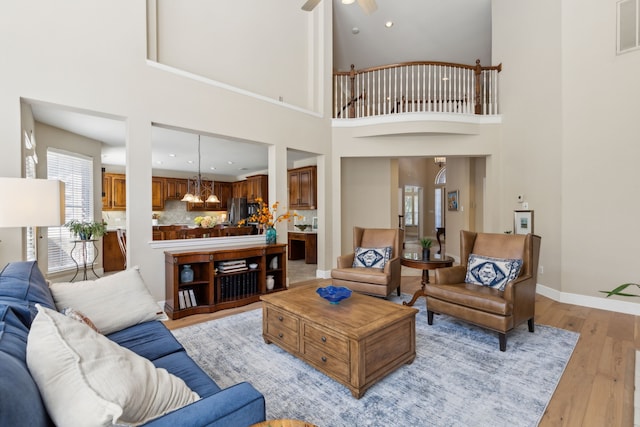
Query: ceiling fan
368 6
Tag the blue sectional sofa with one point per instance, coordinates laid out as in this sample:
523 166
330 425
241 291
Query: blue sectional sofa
22 285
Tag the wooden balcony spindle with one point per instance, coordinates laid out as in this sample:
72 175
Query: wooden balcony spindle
352 92
478 74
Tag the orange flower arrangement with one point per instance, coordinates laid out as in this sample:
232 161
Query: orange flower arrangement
265 215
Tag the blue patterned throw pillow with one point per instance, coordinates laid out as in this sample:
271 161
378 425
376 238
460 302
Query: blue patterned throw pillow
371 257
492 272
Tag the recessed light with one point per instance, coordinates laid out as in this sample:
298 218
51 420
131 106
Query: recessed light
229 162
190 162
171 155
355 30
212 168
388 24
159 162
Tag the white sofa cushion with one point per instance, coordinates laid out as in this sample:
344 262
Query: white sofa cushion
492 272
85 379
112 302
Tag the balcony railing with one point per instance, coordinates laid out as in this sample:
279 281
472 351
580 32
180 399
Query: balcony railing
416 87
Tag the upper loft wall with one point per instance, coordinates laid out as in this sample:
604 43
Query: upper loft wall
229 44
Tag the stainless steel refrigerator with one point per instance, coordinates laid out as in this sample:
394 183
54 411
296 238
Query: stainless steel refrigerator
236 209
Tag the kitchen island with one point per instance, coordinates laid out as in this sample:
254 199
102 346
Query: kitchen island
180 231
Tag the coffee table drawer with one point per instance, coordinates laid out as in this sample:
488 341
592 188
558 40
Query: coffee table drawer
326 361
282 335
326 340
275 317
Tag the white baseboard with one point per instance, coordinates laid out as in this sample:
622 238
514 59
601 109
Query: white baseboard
588 301
323 274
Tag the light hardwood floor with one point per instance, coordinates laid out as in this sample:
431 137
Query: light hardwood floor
597 386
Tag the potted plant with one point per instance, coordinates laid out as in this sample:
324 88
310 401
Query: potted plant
426 243
619 289
84 230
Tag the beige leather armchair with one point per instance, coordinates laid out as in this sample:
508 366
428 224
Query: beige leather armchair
374 281
500 311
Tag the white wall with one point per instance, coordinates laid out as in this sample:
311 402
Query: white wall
600 121
571 138
531 100
366 186
205 38
91 56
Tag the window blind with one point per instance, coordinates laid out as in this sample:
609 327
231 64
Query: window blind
76 171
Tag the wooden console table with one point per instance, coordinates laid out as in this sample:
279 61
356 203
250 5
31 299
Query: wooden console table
222 278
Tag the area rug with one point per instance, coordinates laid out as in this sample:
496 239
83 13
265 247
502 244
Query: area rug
459 376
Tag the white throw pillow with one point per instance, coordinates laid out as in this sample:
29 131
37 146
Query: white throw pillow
112 302
88 380
492 272
371 257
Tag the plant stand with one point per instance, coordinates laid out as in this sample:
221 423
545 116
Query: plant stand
82 257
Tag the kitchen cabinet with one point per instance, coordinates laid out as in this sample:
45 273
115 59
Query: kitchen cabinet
157 193
175 188
239 189
257 187
112 257
302 188
114 192
224 191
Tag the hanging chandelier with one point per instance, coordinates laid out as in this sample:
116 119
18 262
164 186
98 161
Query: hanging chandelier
201 189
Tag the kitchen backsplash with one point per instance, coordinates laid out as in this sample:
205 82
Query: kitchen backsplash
175 212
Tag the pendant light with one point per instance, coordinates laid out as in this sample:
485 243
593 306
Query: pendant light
200 188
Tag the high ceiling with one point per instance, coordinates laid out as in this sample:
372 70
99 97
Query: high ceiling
456 31
430 30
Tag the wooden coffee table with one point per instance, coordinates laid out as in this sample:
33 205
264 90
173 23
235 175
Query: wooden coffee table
356 342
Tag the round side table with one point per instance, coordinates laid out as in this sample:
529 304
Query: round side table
415 260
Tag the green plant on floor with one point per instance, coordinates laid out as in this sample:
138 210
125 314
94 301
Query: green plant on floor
84 230
426 242
619 289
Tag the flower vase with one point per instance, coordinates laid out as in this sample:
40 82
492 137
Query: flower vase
186 275
270 282
426 252
271 235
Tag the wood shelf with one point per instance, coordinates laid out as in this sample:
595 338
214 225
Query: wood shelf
216 290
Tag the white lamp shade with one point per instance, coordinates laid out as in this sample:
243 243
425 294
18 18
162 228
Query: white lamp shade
31 202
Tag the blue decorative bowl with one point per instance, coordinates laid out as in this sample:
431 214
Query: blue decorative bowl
334 294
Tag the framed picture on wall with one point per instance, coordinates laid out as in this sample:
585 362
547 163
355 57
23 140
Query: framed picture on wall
522 222
452 200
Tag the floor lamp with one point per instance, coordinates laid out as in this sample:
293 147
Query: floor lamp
31 203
